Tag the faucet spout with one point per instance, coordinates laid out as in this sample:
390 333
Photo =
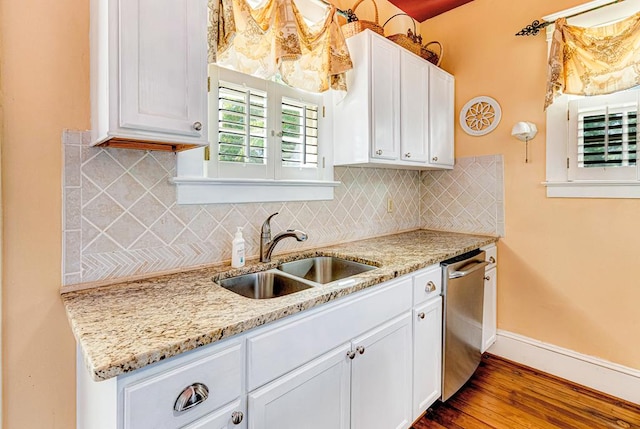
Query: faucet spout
267 245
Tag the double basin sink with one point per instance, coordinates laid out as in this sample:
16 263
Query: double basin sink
291 277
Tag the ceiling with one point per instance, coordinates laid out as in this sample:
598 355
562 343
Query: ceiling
421 10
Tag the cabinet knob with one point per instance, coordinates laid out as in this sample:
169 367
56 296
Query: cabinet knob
197 126
407 155
430 287
492 259
421 316
236 417
434 159
351 354
360 350
487 278
379 152
191 396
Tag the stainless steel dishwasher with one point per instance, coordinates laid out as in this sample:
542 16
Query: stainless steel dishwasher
463 293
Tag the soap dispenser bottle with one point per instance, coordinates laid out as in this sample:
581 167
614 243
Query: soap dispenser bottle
237 250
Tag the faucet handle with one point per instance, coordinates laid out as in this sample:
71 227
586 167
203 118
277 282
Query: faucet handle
266 226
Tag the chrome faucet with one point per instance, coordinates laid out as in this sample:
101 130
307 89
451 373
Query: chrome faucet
267 244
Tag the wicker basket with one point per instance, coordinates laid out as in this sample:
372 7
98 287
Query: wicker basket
430 55
355 25
412 42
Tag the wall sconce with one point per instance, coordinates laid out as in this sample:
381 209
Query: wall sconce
525 131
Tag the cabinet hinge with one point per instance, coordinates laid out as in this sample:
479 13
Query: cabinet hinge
567 114
323 162
323 111
208 84
567 163
207 153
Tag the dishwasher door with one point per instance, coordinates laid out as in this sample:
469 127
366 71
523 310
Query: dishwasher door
463 293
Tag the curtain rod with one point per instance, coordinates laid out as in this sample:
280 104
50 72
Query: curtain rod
534 28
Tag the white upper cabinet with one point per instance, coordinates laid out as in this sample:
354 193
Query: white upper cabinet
414 124
398 110
441 102
385 100
149 73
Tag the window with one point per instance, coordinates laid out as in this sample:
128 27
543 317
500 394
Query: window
592 141
602 137
268 142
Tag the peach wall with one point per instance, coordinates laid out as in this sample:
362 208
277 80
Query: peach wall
567 276
45 88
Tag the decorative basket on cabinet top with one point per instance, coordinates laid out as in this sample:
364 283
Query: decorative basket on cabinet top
355 25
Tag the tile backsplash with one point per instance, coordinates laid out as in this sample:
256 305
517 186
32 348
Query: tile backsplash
469 198
121 218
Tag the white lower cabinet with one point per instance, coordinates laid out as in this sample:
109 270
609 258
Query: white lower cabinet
489 322
381 377
367 361
490 304
315 396
427 355
364 384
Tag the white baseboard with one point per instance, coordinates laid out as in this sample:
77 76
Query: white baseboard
608 377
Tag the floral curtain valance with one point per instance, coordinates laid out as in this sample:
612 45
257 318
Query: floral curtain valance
594 61
274 40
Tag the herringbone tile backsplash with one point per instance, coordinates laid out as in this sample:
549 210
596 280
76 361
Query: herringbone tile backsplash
121 218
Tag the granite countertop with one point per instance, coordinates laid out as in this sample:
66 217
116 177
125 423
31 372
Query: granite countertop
126 326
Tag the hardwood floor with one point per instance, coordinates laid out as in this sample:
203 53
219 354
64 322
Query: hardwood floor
505 395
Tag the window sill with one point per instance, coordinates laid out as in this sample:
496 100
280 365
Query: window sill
593 189
212 191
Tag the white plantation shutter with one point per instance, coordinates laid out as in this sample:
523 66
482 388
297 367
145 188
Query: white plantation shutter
299 134
603 137
242 124
264 130
240 120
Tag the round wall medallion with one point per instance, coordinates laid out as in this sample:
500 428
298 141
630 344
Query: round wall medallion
480 116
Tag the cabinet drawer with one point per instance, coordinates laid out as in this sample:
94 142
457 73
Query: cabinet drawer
427 284
149 402
285 347
491 256
222 418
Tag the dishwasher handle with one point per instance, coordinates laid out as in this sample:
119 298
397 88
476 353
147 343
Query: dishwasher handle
468 269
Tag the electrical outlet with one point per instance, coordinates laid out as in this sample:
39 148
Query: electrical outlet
389 205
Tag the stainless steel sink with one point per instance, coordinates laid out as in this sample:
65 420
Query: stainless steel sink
267 284
324 269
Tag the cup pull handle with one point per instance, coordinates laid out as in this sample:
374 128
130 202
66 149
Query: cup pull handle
190 397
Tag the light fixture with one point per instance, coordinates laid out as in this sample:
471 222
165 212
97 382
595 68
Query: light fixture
525 131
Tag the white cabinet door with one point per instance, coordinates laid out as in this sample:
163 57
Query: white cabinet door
163 66
441 102
381 377
414 108
427 355
315 396
385 99
223 418
489 313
